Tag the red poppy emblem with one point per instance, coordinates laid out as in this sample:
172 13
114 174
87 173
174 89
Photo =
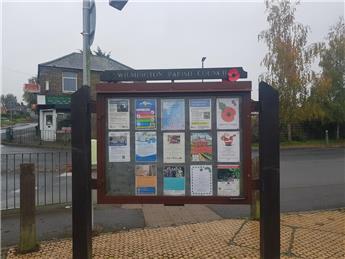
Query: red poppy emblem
228 114
233 74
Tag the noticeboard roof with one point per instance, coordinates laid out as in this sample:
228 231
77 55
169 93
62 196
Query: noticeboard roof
240 86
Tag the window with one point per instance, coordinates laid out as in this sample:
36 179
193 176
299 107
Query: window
69 82
63 120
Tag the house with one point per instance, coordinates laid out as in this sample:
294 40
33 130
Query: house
58 79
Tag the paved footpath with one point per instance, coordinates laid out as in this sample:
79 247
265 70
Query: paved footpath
318 234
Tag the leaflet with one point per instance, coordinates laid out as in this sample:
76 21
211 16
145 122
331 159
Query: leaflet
201 146
228 180
200 114
145 146
118 114
228 146
145 114
173 114
119 147
173 147
174 180
145 179
201 180
228 113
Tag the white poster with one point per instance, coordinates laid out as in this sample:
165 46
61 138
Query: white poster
146 146
118 114
228 146
119 147
173 147
200 114
201 180
173 114
228 180
228 113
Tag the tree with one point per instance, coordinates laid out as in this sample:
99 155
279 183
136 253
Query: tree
288 59
328 94
30 98
99 52
10 102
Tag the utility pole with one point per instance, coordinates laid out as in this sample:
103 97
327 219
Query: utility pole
202 65
86 42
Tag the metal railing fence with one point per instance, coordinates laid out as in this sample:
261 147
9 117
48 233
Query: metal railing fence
36 136
53 173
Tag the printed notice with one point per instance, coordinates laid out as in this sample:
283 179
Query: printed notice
145 114
145 179
228 146
201 146
228 113
173 114
200 114
201 180
228 180
118 114
173 147
146 146
174 180
119 150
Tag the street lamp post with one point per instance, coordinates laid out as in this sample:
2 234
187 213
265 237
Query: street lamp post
202 65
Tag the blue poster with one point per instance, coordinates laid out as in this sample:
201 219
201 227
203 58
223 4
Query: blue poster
146 146
174 180
145 114
173 114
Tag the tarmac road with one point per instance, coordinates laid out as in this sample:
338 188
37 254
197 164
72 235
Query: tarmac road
310 179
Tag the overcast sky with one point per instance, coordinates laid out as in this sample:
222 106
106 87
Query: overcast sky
147 34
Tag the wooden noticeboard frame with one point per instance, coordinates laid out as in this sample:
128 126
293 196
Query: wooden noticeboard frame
167 90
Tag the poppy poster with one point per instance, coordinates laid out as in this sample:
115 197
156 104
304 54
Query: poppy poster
228 146
228 113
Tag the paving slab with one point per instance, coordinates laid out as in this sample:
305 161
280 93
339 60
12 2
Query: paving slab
157 215
227 238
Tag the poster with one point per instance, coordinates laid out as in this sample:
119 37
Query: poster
200 114
228 180
174 180
145 146
145 179
201 180
228 146
145 114
228 113
119 147
173 147
118 114
201 146
173 114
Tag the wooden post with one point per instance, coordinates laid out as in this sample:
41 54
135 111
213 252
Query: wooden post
28 242
255 206
81 174
269 172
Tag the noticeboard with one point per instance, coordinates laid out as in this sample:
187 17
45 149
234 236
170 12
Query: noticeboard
174 143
